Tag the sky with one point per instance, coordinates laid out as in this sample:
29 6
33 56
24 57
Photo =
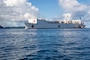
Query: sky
12 12
47 8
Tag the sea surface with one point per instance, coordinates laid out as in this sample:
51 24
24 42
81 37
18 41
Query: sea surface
45 44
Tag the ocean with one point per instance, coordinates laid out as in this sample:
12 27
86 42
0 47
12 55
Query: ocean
45 44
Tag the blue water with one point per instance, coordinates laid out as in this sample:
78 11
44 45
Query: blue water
45 44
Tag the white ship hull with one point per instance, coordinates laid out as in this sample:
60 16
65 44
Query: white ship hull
43 24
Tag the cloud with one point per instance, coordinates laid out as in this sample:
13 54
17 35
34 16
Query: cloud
15 2
28 16
74 7
15 10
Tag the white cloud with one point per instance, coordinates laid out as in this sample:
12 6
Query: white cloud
74 7
28 16
15 10
15 2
